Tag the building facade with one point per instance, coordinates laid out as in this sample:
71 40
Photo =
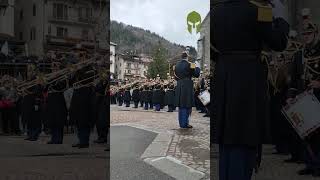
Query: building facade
131 66
203 54
61 25
112 58
6 18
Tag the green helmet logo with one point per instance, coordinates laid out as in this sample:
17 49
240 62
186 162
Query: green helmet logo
194 21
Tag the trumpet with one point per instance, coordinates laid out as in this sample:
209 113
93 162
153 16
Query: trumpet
54 77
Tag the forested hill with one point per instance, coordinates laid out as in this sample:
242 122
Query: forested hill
137 40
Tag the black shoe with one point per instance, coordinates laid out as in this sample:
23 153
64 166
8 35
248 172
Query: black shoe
80 146
207 115
27 139
33 139
189 126
50 142
306 171
76 145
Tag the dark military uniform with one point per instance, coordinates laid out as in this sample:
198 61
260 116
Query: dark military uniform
144 96
136 97
169 98
184 71
102 112
120 97
141 95
113 98
149 96
127 97
57 112
81 109
297 86
163 93
31 112
157 97
240 30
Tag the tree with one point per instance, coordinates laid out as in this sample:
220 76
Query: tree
159 65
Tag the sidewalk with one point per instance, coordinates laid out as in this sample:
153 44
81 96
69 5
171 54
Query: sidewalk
189 148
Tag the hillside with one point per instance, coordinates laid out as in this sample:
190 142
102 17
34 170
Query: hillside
140 41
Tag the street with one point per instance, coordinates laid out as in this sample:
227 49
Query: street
187 147
25 160
128 144
182 154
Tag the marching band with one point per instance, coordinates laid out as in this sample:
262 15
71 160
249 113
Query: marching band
155 94
43 102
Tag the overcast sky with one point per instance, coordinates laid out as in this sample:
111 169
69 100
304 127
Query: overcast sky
164 17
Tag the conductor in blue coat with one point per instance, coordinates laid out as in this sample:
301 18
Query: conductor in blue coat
184 99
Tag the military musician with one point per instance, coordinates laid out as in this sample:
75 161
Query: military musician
184 71
241 29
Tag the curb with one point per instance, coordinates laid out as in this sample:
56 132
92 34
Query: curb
156 155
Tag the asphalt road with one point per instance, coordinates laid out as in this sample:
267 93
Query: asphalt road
25 160
127 145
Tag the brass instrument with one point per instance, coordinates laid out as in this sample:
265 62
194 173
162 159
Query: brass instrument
51 78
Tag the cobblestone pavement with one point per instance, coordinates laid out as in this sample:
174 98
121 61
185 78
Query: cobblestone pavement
190 146
272 167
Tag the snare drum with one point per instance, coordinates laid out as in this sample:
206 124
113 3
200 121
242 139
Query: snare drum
304 114
204 97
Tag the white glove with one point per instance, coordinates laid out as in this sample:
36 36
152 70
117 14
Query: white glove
279 10
197 64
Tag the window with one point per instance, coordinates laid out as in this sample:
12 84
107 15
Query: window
128 65
49 30
88 13
21 14
60 11
85 34
85 12
129 71
34 10
33 34
21 36
62 32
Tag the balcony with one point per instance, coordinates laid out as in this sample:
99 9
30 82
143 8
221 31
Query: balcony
73 21
130 68
69 41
